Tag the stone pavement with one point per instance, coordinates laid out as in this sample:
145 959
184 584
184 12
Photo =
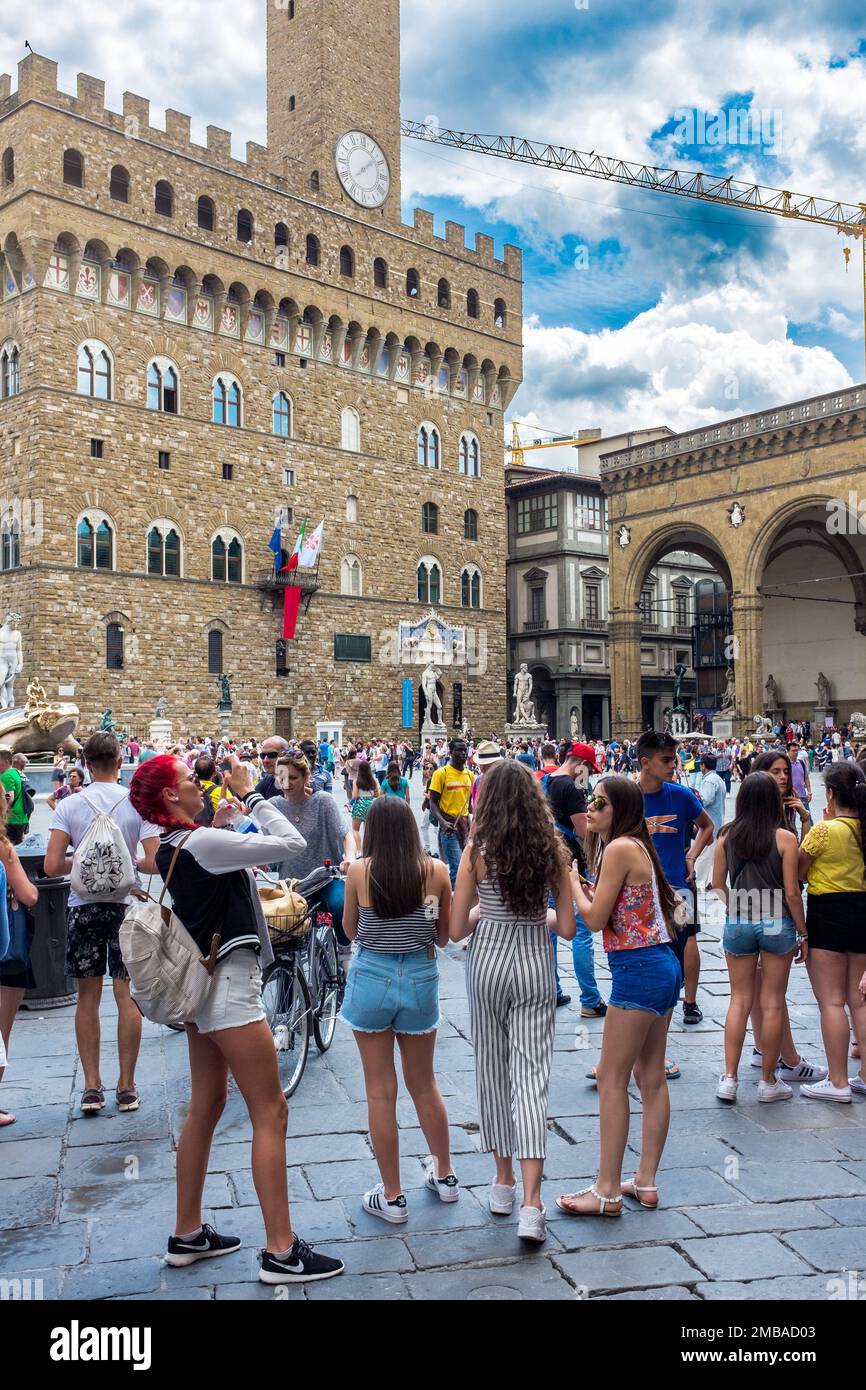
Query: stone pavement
758 1201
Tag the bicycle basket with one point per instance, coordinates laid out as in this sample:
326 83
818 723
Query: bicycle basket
285 911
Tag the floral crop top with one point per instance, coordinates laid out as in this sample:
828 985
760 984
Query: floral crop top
636 919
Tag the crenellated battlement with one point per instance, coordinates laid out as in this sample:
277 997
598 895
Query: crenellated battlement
37 82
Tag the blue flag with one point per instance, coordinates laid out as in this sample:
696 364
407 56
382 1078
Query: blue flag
276 543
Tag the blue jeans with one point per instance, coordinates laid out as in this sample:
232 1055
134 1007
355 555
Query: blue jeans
584 965
450 853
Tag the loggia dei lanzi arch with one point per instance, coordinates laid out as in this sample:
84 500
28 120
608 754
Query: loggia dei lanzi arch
775 501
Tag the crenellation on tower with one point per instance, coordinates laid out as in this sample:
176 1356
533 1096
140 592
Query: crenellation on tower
137 109
90 94
178 127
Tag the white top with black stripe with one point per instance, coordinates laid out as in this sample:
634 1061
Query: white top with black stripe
398 935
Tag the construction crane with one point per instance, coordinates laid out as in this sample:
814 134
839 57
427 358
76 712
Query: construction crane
517 449
849 219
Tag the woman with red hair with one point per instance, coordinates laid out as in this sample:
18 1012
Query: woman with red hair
214 895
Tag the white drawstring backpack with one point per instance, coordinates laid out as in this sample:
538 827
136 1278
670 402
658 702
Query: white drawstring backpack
102 867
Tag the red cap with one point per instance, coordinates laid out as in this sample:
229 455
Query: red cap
586 753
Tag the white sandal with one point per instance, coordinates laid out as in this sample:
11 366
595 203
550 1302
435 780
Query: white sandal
603 1203
631 1189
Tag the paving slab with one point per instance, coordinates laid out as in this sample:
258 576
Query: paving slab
40 1122
533 1280
626 1268
32 1247
636 1226
30 1158
802 1290
114 1278
832 1249
744 1256
27 1202
498 1244
761 1182
763 1216
672 1293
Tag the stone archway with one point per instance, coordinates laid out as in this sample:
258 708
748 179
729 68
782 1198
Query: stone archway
734 486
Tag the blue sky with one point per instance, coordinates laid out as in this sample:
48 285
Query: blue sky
639 309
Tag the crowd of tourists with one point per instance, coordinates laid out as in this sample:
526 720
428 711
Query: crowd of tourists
534 842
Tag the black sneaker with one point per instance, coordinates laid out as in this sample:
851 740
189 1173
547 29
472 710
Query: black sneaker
302 1266
205 1247
562 1000
691 1013
593 1010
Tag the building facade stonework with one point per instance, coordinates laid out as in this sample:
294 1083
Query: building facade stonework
154 288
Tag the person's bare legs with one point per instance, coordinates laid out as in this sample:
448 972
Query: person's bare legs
87 1033
504 1170
789 1052
828 974
416 1055
380 1083
623 1040
10 1003
774 972
208 1092
856 1002
741 972
128 1034
691 970
531 1172
649 1073
252 1061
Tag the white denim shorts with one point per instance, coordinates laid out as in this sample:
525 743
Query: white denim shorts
235 998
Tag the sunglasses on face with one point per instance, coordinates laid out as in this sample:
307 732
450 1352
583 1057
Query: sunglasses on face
270 755
598 803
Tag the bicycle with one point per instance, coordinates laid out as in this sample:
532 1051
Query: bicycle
326 977
286 998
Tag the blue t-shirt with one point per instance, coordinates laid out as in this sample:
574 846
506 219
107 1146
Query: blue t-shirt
526 758
676 808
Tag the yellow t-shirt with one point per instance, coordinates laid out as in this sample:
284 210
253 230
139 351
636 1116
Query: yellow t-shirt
454 788
837 861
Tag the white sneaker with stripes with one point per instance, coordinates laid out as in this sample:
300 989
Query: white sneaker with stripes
377 1204
446 1189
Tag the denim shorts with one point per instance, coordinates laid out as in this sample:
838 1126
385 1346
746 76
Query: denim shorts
744 938
235 997
647 978
385 992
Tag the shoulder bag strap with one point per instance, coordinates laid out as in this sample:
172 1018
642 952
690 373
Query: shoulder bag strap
167 879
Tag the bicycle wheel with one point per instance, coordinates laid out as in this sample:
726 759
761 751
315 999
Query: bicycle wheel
286 1002
328 991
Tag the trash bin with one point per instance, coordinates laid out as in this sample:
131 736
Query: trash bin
54 988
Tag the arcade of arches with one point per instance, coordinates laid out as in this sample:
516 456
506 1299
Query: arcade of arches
773 501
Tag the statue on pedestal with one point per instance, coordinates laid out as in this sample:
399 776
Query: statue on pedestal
679 676
524 706
106 723
429 678
574 724
729 698
161 708
772 690
225 700
822 685
11 659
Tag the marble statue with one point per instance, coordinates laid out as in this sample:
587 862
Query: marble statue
429 676
161 708
729 699
822 685
524 706
772 690
763 726
574 724
11 659
857 724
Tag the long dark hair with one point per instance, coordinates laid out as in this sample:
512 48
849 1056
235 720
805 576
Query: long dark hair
396 864
514 831
393 775
847 782
758 814
627 811
364 779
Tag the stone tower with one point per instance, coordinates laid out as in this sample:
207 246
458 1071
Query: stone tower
334 72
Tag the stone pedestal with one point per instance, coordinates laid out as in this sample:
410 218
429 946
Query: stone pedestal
822 713
432 731
723 727
159 732
775 715
526 731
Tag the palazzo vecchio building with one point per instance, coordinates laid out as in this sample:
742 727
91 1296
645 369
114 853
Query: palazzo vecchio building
190 342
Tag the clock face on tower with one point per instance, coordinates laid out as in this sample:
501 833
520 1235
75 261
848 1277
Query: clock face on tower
362 169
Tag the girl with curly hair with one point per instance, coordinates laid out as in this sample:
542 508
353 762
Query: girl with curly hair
512 861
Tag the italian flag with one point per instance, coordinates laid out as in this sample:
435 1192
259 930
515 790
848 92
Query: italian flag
292 592
295 556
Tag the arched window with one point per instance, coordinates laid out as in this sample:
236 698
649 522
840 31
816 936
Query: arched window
282 415
118 184
470 525
206 213
350 430
443 294
472 304
413 284
470 455
347 262
429 446
73 168
351 577
163 549
380 273
314 251
8 166
314 182
215 652
95 538
94 371
429 577
352 508
163 198
470 587
430 519
281 235
10 371
245 225
227 401
500 317
162 383
10 544
114 647
227 558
